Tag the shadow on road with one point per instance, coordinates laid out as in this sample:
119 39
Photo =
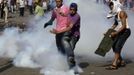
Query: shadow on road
6 66
127 61
84 64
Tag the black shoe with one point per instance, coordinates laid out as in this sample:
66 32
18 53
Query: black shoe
71 62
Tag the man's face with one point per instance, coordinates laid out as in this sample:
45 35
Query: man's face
111 7
58 3
73 11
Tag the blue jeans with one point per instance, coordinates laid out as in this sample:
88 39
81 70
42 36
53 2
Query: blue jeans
66 44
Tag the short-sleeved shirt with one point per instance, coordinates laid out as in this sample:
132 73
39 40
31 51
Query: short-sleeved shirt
75 20
39 10
62 21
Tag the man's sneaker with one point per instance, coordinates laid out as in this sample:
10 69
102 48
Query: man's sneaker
77 70
71 62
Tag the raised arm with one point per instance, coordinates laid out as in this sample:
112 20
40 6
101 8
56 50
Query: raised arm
50 22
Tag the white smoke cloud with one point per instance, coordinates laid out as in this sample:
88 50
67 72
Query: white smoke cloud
8 45
36 47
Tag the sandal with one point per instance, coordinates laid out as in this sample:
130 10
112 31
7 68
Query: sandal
112 67
122 64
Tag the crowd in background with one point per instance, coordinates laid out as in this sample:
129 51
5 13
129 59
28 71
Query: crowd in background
129 4
38 6
35 7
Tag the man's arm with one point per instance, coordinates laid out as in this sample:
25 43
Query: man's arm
123 17
113 26
66 29
50 22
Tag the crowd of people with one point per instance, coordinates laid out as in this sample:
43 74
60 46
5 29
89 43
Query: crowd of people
13 6
37 7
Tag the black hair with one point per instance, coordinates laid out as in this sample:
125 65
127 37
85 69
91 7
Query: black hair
74 5
110 4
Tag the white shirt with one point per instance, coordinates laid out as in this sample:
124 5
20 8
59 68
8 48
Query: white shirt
22 3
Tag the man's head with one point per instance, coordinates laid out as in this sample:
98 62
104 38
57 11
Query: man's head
115 7
58 3
111 5
73 8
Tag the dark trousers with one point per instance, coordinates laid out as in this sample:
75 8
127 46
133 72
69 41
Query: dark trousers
120 40
30 9
22 11
1 11
69 45
58 42
66 45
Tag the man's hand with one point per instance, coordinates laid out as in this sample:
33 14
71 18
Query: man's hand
45 25
48 23
114 34
54 31
109 16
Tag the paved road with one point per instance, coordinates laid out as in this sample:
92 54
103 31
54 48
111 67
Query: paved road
88 68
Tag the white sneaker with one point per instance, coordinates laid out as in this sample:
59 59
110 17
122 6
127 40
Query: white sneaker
77 70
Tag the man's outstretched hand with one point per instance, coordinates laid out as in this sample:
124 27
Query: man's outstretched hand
48 23
45 25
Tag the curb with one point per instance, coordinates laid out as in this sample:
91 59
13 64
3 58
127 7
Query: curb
6 66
